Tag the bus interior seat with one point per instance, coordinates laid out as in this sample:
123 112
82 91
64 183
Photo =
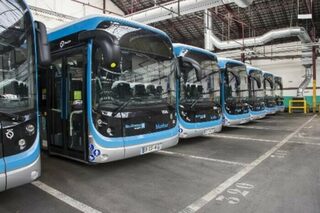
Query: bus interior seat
193 91
121 90
139 90
159 90
151 90
200 89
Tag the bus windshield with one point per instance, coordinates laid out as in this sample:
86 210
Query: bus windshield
207 88
278 92
146 75
236 83
268 86
256 85
16 58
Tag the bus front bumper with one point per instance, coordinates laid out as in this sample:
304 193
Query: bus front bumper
113 154
257 116
24 175
190 133
229 122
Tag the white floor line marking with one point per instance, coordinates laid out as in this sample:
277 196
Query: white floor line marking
269 121
259 127
202 158
303 142
219 135
65 198
198 204
307 137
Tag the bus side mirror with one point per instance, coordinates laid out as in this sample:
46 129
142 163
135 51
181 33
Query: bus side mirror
178 70
44 57
187 64
258 82
109 45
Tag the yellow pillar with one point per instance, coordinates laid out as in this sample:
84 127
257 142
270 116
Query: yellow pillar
314 95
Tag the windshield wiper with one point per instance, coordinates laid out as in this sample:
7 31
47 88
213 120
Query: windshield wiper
14 117
195 102
121 107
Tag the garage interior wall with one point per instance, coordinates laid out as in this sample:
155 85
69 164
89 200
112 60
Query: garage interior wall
64 11
292 73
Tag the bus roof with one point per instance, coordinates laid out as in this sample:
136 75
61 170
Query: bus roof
178 48
222 62
266 73
252 69
91 23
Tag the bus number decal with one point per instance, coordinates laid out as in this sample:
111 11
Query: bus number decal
234 196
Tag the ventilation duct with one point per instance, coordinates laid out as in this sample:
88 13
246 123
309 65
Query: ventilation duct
176 8
212 40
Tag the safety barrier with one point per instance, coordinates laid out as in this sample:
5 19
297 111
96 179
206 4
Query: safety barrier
298 104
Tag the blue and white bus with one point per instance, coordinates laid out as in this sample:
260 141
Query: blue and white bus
111 90
22 47
198 102
278 92
256 93
269 97
234 92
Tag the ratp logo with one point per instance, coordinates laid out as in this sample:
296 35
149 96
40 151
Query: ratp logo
9 134
63 43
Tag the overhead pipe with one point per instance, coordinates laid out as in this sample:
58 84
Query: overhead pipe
176 8
299 32
305 82
212 40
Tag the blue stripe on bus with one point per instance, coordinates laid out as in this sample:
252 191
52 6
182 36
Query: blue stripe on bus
25 158
2 166
199 125
271 109
235 117
260 112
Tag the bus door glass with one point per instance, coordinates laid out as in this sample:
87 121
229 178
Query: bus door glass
66 105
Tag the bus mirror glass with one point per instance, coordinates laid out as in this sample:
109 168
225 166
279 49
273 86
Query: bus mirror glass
178 71
44 57
258 82
111 53
187 64
108 44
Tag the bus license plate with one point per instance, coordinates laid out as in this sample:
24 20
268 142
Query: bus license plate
209 132
150 148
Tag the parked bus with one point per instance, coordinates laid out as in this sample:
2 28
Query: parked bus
234 92
269 100
22 47
110 90
199 111
256 93
278 92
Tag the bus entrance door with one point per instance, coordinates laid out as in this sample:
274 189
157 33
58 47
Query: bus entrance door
66 135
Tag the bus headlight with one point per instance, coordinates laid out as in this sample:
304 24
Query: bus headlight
99 122
109 131
30 129
22 144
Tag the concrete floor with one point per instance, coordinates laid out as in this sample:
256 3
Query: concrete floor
264 166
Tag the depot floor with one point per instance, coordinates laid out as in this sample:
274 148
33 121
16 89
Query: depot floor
270 165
